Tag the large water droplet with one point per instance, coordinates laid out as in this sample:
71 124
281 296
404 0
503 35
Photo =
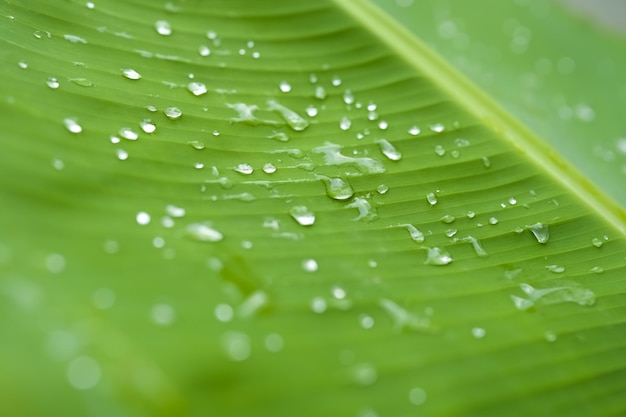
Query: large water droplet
337 188
431 198
143 218
245 169
540 231
302 215
197 88
204 233
437 256
163 27
389 150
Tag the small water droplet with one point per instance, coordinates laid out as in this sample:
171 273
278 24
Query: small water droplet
53 83
414 131
309 265
58 164
431 198
597 270
236 345
540 231
254 303
320 92
486 162
245 169
173 113
197 88
557 269
318 305
478 332
437 127
269 168
461 143
437 256
366 321
367 213
122 155
147 126
389 150
163 314
174 211
203 233
337 188
74 38
550 336
383 125
414 232
131 74
470 214
447 219
72 125
163 27
336 81
512 201
196 144
284 86
493 221
204 50
597 242
198 165
439 150
333 156
302 215
417 396
345 123
128 134
382 189
450 232
311 111
143 218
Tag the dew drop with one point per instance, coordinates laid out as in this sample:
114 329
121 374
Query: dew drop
198 165
382 189
493 221
147 126
338 189
83 82
173 113
414 131
367 213
128 134
203 233
122 155
302 215
486 162
284 86
540 231
197 88
53 83
309 265
447 219
476 246
389 150
439 150
72 126
204 50
245 169
437 127
336 81
131 74
431 198
269 168
597 270
143 218
320 92
196 144
293 119
174 211
383 125
163 27
366 321
557 269
437 256
253 304
74 38
345 123
236 345
414 232
470 214
597 242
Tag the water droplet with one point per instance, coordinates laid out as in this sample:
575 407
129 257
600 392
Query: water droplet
403 319
597 242
512 201
550 336
447 219
197 88
461 143
417 396
367 213
274 342
74 38
236 345
389 150
302 215
83 373
337 188
455 154
269 168
174 211
72 125
173 113
198 165
431 198
486 162
203 233
437 256
121 154
147 126
364 374
383 125
540 231
128 134
253 304
131 74
143 218
53 83
196 144
284 86
333 156
450 232
567 292
470 214
345 123
163 314
493 221
366 321
204 50
318 305
414 131
309 265
439 150
437 127
245 169
478 332
597 270
557 269
478 249
414 232
163 27
382 189
320 92
293 119
336 81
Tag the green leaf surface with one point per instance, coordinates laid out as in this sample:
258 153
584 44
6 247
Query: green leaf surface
293 209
